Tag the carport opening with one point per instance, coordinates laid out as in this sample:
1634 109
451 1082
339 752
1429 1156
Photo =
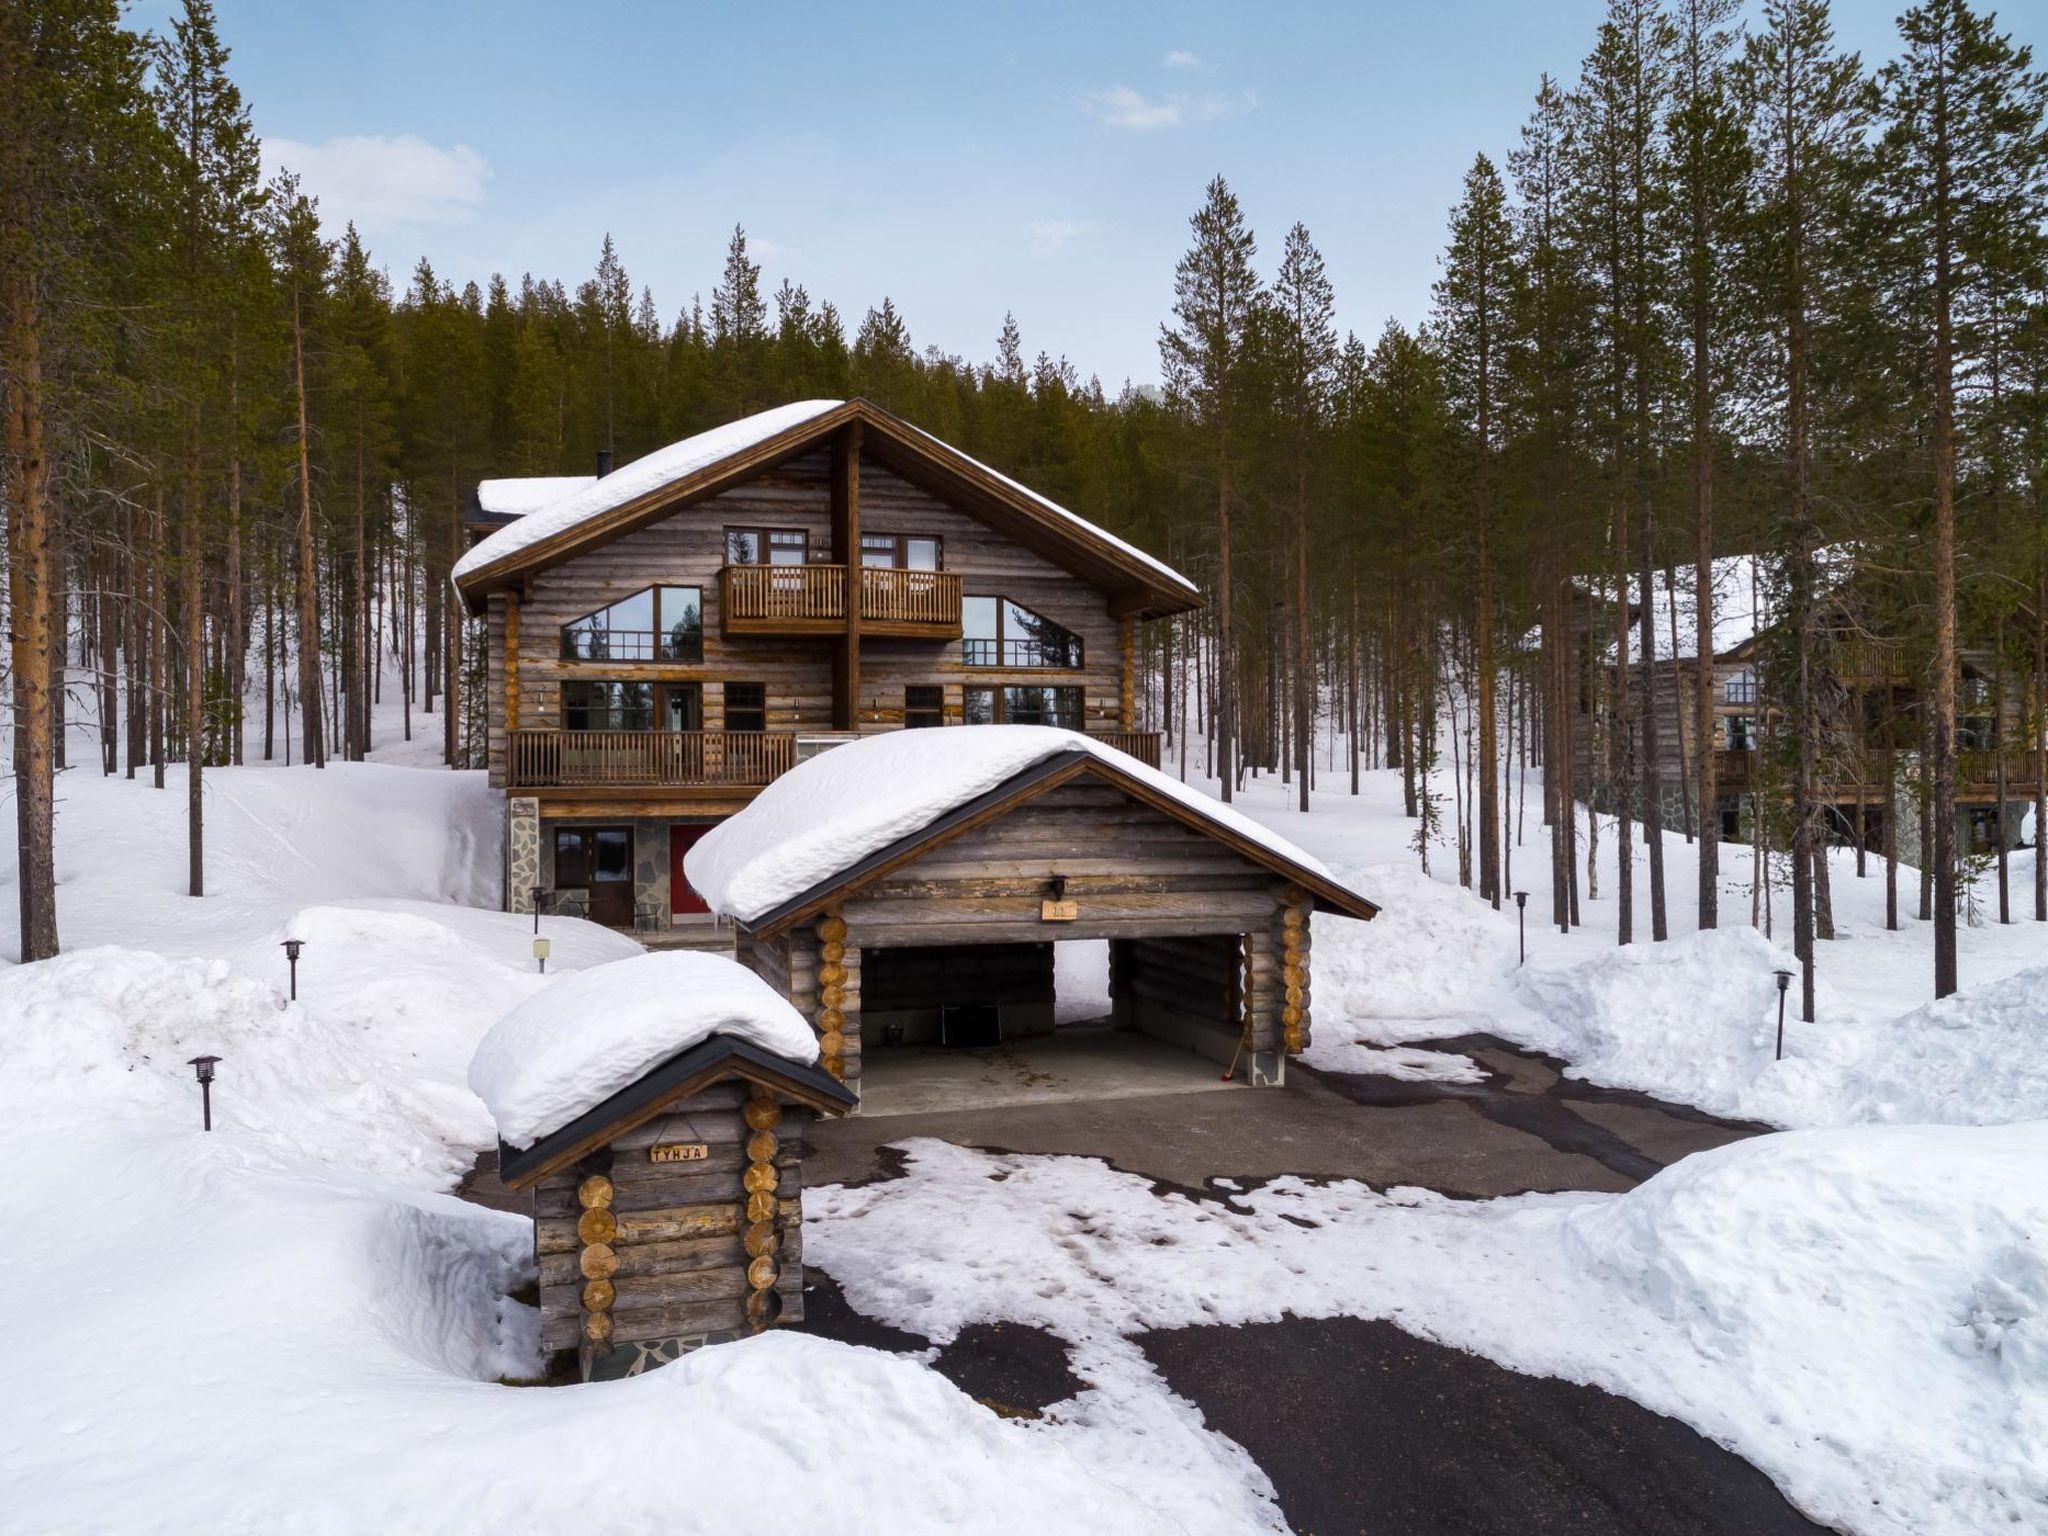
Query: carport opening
959 1026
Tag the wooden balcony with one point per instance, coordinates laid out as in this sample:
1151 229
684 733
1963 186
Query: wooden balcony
625 759
811 600
1143 745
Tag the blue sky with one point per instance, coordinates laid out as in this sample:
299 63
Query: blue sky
962 158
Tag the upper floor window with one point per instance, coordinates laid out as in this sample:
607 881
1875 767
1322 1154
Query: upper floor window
900 551
746 706
1741 733
924 704
767 546
999 633
1740 688
658 624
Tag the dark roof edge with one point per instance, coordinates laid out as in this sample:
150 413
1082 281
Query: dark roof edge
515 1163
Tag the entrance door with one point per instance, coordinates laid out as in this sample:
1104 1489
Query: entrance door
682 837
599 861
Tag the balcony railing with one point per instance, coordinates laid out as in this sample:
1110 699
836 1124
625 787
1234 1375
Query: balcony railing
795 599
1063 654
889 595
597 759
1143 745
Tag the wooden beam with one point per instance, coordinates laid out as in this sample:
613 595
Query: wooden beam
846 447
512 661
1127 685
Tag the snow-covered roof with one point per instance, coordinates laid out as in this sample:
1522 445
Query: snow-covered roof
517 497
543 521
572 1046
827 814
1057 510
628 483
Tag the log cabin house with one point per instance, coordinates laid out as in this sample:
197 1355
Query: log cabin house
665 639
1871 706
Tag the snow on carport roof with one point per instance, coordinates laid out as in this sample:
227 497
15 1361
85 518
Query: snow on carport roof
826 815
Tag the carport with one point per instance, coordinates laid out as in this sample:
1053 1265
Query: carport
940 939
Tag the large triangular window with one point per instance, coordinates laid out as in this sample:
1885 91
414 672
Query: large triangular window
657 624
996 632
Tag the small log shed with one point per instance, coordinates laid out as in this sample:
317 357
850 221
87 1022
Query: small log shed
671 1214
1207 920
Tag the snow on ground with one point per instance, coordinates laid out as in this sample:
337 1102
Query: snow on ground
1862 1314
285 1326
1693 1019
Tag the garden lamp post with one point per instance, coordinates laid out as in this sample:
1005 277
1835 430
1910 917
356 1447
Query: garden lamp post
291 955
1784 984
538 892
1522 926
541 947
203 1066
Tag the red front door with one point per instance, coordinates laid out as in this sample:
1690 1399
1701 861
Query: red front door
682 838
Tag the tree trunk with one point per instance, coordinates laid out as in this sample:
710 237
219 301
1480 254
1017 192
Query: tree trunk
314 749
28 590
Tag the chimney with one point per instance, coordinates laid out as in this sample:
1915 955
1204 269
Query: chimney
604 462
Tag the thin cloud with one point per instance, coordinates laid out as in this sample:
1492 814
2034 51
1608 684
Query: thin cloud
1122 107
385 182
1180 58
1050 235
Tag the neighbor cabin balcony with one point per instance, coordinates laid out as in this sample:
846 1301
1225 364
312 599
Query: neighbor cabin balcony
1143 745
625 759
811 600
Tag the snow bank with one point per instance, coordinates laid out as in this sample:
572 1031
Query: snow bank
1863 1314
590 1034
1696 1019
631 481
241 1340
828 814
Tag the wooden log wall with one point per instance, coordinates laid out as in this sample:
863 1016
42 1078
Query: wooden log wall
634 1255
1168 987
688 549
1131 870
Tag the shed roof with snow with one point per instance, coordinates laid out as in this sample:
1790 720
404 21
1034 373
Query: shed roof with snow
599 1051
665 481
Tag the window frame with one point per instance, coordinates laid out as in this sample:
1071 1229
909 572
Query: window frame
997 695
657 637
728 708
1002 640
766 536
899 551
935 710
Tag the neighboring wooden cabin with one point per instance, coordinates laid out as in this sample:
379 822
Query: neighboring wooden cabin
665 639
1208 925
1875 722
671 1215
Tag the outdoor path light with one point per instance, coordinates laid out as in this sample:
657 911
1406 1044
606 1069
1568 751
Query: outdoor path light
1784 984
291 955
203 1065
1522 925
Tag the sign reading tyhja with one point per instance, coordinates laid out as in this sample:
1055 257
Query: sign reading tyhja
678 1152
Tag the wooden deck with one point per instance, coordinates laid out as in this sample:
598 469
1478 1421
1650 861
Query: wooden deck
739 761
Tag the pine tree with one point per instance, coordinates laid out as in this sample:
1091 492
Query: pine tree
214 185
1216 296
302 262
1475 303
1709 166
1304 309
72 132
1963 156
